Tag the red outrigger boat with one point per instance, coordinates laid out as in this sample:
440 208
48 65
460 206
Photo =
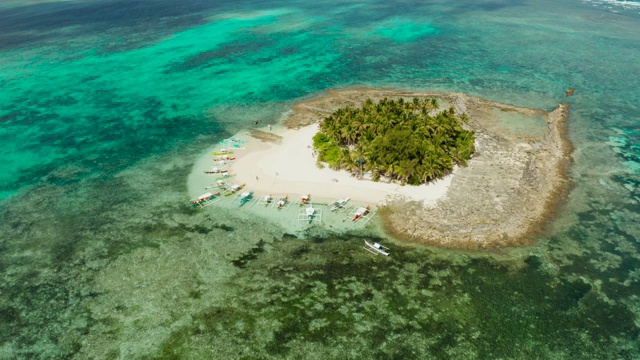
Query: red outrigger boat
305 199
224 158
283 202
361 212
204 197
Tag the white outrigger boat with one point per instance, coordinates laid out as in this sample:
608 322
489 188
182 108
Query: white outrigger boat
205 199
234 189
310 213
267 199
376 248
339 204
215 170
220 184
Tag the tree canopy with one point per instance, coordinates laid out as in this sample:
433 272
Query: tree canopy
397 139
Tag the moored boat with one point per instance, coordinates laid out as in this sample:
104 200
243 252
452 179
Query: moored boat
310 213
282 202
204 198
376 248
339 204
245 197
362 211
222 159
216 170
222 152
201 198
234 189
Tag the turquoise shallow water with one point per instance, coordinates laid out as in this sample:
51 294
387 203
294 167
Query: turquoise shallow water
106 104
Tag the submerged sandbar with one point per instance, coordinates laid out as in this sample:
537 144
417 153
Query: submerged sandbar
504 195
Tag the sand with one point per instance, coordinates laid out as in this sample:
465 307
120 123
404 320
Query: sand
289 167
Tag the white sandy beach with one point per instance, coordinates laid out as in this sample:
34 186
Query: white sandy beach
289 168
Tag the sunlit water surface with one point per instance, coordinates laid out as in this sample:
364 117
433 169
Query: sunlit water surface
105 105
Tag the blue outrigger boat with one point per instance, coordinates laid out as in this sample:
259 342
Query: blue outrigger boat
245 197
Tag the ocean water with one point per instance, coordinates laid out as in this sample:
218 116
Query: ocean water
106 104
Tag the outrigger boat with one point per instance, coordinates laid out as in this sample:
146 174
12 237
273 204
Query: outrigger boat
225 175
339 204
310 213
267 199
220 184
203 198
245 197
305 199
362 211
376 248
215 170
232 141
234 189
282 202
223 159
222 152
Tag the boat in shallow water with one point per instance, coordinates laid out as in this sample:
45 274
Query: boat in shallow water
362 211
204 198
339 204
282 202
234 189
310 213
376 248
245 197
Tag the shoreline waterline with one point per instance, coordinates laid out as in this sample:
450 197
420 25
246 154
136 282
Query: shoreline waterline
288 166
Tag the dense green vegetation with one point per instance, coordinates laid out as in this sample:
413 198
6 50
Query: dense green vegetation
398 139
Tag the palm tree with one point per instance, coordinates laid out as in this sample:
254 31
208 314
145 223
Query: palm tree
396 138
434 104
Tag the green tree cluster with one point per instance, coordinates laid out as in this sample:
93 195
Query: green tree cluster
395 138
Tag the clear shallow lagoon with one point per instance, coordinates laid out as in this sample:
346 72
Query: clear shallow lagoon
105 105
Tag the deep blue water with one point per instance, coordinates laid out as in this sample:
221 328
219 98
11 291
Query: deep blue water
106 104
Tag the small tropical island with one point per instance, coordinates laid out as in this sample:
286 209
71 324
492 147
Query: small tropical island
408 141
443 169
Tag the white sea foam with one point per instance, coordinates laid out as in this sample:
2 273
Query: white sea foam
626 4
